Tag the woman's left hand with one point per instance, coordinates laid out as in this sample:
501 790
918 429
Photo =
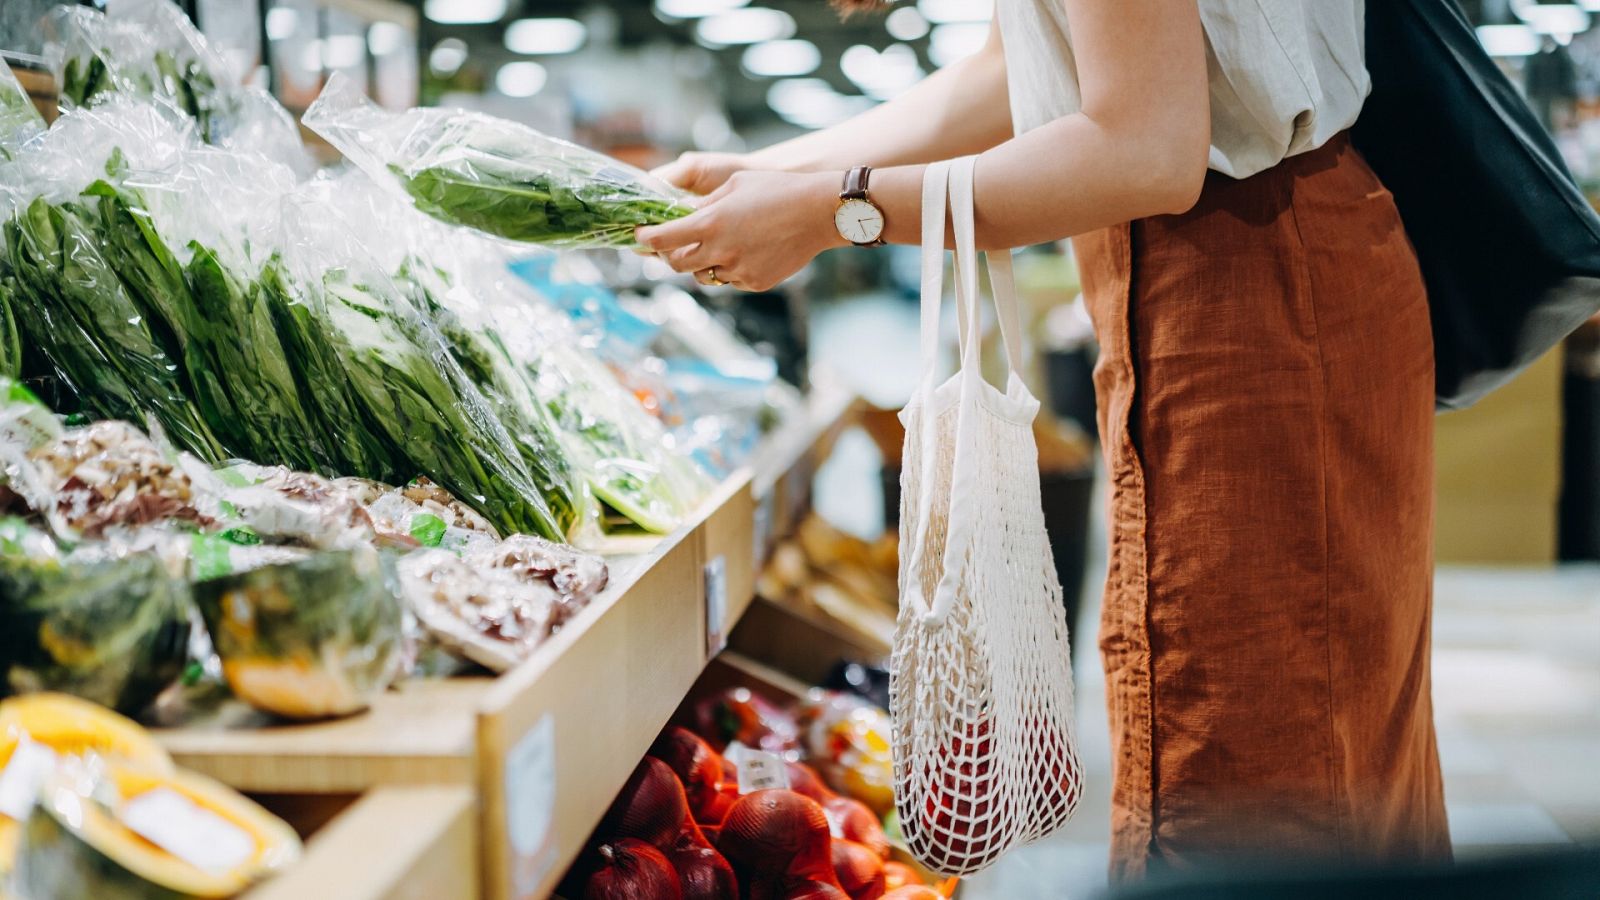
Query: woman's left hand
754 231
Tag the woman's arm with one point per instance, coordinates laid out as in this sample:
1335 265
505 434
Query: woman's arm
958 110
1138 147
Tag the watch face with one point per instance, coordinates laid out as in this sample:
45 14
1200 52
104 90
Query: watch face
859 221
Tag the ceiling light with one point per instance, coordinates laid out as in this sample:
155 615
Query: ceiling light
1553 18
384 38
519 79
1508 40
282 22
694 9
778 59
906 24
341 51
447 56
884 75
812 102
1590 5
545 36
744 26
941 11
948 43
465 12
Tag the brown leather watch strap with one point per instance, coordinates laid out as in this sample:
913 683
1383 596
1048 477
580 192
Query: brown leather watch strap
855 183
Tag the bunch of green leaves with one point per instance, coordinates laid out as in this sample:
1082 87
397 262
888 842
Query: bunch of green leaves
487 363
425 409
74 313
538 195
86 77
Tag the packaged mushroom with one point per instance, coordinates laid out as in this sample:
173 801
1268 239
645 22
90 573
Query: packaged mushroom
496 602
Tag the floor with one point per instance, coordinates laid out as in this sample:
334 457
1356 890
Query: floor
1516 666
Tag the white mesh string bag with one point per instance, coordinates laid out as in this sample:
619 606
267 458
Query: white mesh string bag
985 754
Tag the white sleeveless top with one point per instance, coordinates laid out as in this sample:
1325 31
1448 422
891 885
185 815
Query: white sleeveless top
1286 75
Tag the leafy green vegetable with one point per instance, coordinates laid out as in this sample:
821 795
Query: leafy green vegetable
533 201
186 84
77 313
432 417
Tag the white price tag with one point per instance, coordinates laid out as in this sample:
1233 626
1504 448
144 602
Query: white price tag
758 769
193 834
530 804
761 529
25 773
716 605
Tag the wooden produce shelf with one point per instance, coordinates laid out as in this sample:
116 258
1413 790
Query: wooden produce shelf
394 843
544 748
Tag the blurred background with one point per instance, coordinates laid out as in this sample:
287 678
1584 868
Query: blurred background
1518 620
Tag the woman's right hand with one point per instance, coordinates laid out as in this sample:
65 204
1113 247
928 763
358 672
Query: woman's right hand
702 173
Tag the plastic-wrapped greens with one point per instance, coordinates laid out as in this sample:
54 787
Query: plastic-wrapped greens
150 49
19 118
113 630
498 177
309 638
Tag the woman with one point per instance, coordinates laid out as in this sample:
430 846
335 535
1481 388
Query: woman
1265 388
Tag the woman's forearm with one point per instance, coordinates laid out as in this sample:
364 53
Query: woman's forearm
958 110
1069 177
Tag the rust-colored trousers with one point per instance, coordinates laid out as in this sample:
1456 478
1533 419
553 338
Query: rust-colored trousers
1266 402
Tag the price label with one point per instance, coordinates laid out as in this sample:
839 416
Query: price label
716 605
25 773
188 831
761 529
758 769
530 805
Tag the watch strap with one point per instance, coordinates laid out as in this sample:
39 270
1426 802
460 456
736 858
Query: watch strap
855 183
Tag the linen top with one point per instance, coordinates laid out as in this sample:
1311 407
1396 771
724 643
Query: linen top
1286 75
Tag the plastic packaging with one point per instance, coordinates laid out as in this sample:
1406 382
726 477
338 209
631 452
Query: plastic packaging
19 118
112 630
583 435
150 49
498 177
847 740
306 639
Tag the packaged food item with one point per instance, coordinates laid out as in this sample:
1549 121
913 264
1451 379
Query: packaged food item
39 730
311 638
114 631
741 715
495 176
496 601
106 828
652 807
847 740
780 846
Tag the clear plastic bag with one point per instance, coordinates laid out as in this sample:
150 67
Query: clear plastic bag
150 49
497 177
19 118
532 367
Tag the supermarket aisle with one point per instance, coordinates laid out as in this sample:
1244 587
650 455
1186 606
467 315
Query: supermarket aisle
1517 676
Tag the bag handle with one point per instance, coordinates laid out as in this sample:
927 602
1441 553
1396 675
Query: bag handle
1002 283
935 185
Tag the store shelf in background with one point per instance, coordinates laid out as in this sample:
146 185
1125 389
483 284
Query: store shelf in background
1500 462
395 843
545 747
802 643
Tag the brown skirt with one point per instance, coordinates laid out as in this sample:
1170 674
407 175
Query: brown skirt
1266 397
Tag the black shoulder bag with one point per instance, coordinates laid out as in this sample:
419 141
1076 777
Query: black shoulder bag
1509 247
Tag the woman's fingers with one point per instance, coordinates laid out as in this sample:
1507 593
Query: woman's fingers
692 258
678 233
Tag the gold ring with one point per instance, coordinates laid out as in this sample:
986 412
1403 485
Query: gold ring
715 281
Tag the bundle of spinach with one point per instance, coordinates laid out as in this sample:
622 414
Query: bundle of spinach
74 313
494 176
487 363
412 394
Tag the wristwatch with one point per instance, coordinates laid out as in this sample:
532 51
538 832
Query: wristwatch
858 219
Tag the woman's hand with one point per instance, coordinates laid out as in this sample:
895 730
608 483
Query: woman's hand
702 173
754 231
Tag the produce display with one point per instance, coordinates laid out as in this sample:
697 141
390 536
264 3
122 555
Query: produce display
782 833
492 175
